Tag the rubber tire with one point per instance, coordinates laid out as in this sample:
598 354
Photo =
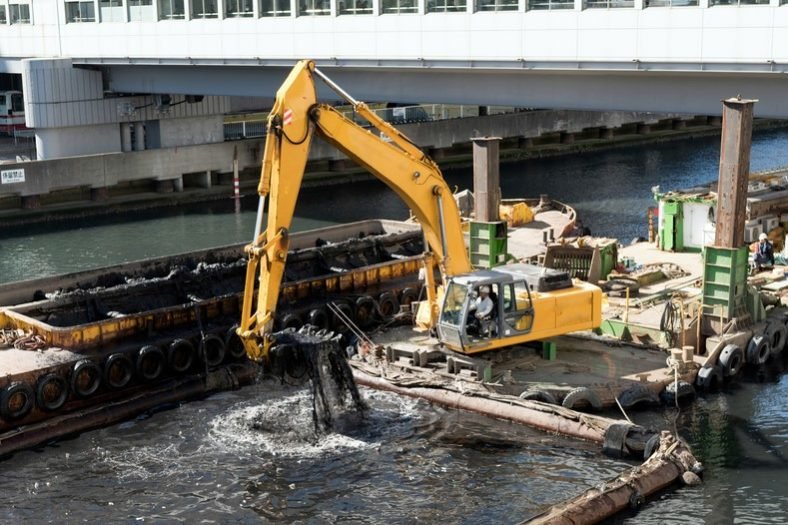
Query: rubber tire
776 333
337 324
684 390
539 395
581 394
180 355
758 350
147 355
212 350
9 392
365 311
41 398
408 296
89 367
127 367
319 318
652 445
388 306
290 320
233 344
637 395
731 360
709 378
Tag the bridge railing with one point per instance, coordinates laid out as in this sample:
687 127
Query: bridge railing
255 125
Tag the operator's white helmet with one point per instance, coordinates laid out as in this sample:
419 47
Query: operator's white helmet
763 237
484 289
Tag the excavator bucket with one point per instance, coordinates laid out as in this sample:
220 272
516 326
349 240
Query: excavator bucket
319 358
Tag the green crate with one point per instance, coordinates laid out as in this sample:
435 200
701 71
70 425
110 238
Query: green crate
488 243
724 280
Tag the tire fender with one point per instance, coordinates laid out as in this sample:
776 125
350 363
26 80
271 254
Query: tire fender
776 334
180 355
51 392
709 378
290 320
758 350
118 371
365 311
539 395
16 400
150 363
233 343
85 378
637 395
318 317
388 305
408 296
212 350
581 394
731 360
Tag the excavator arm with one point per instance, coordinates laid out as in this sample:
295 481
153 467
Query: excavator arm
383 150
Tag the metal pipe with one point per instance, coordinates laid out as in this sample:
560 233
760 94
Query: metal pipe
339 91
258 224
442 225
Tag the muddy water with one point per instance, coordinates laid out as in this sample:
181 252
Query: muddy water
250 456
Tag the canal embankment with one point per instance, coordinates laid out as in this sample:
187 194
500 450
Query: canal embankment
47 190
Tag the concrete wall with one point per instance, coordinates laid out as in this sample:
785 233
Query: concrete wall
79 140
98 171
190 131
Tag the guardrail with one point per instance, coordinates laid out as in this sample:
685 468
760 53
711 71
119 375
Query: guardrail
256 125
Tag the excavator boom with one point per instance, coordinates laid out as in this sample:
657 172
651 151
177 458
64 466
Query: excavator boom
382 150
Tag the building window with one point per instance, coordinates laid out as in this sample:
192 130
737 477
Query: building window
141 10
111 10
354 7
738 2
238 8
275 8
496 5
669 3
607 4
80 12
205 9
314 7
3 19
446 6
19 13
388 7
171 10
543 5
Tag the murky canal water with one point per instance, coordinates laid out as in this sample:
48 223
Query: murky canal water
249 457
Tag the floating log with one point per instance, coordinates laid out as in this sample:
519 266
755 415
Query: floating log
670 463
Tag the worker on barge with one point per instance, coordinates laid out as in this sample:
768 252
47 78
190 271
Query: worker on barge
482 309
764 253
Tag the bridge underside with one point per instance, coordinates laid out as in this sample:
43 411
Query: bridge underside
691 90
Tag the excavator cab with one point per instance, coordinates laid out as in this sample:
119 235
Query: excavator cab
465 326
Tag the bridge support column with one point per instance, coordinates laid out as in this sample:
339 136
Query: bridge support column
567 138
734 172
99 194
31 202
486 178
606 133
525 142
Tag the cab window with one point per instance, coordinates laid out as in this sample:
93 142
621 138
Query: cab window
453 304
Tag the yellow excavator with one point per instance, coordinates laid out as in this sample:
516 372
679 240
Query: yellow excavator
528 303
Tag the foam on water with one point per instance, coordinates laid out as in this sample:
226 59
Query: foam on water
282 425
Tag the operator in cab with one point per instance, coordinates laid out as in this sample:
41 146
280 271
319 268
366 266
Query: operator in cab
481 308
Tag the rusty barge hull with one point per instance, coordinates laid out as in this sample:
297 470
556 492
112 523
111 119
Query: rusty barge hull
86 349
